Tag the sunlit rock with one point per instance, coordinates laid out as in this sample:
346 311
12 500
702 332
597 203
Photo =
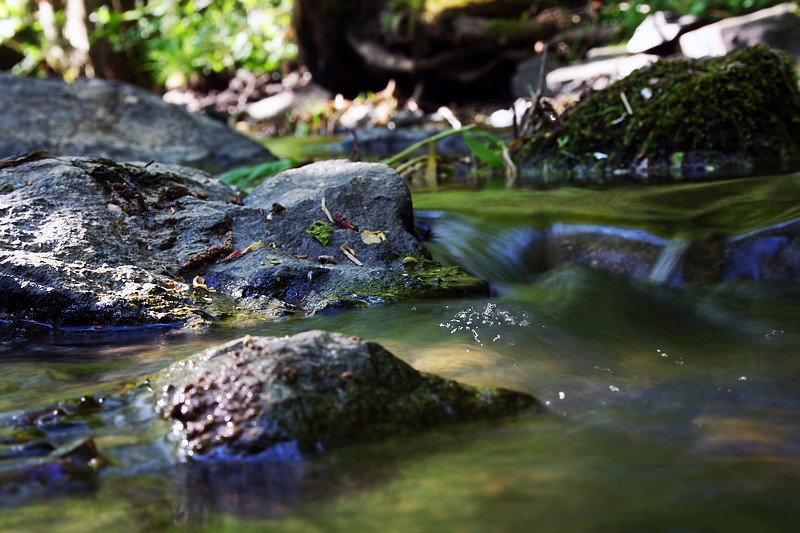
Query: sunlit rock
310 392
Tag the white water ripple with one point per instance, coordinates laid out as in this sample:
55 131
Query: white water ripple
490 322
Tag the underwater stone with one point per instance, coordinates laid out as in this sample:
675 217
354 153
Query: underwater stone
309 392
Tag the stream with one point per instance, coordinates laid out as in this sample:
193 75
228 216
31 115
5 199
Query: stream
668 409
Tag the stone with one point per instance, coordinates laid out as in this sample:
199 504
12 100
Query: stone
771 253
596 74
90 242
657 124
286 101
657 29
628 253
99 118
777 27
287 397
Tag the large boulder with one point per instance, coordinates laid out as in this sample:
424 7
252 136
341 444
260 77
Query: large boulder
90 242
676 119
99 118
312 391
777 26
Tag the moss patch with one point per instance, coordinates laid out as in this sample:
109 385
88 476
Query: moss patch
745 104
420 279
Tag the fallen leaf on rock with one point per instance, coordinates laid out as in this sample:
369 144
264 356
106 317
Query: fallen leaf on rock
325 210
321 231
200 283
350 254
340 221
255 246
372 237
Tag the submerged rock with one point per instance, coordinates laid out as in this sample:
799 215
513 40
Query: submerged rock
89 242
315 390
678 119
99 118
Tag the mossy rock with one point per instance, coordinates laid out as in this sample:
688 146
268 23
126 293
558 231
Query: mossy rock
312 391
683 119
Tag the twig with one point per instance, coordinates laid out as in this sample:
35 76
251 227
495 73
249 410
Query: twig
626 103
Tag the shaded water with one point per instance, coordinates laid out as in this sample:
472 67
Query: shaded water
670 409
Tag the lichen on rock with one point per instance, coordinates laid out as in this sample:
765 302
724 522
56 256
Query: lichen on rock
309 392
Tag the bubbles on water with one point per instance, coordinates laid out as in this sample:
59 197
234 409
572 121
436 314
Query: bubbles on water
613 388
485 322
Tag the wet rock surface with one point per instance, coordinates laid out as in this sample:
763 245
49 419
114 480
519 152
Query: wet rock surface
315 390
89 242
98 118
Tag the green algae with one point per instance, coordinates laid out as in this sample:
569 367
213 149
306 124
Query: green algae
695 209
745 106
420 279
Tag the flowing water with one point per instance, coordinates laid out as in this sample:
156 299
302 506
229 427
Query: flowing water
668 409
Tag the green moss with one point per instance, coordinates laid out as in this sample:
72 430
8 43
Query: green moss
420 279
744 103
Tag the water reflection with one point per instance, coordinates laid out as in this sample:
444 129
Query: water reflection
670 405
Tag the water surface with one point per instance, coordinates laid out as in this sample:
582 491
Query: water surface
669 409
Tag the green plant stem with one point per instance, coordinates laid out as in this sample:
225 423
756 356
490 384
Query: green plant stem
395 158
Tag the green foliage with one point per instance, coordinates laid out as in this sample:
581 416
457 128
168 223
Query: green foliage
320 231
248 178
184 38
486 147
174 40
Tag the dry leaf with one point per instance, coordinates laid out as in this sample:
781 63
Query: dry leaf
200 283
254 246
325 210
372 237
350 254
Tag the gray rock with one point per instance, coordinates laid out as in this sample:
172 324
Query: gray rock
626 252
88 242
777 27
309 392
98 118
657 29
289 100
771 253
595 74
